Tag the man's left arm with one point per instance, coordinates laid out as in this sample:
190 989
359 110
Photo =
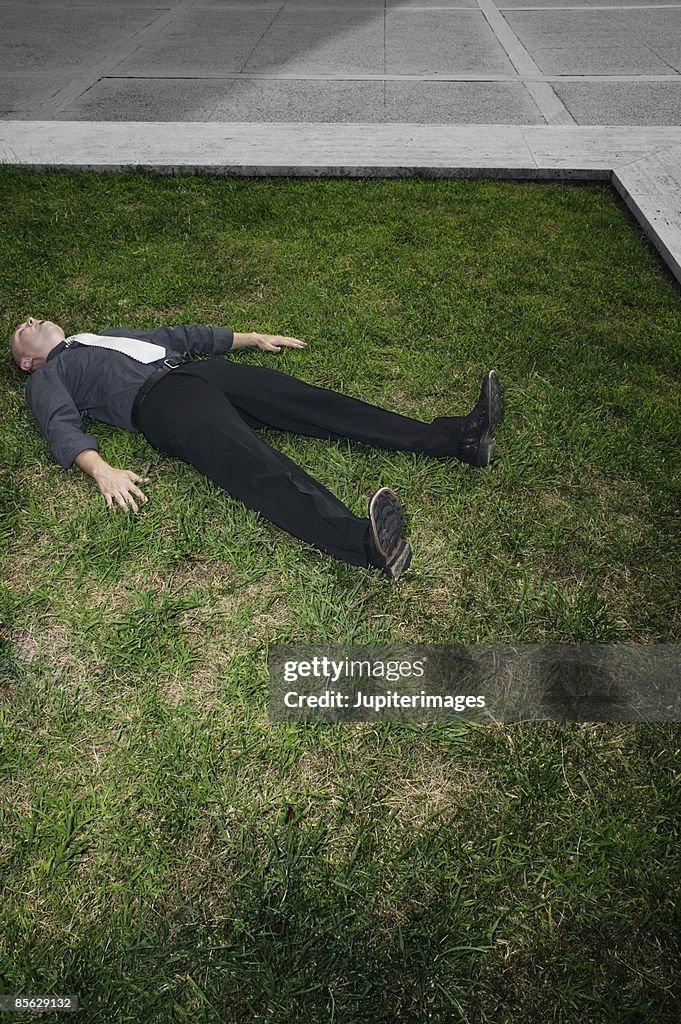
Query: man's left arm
198 339
201 340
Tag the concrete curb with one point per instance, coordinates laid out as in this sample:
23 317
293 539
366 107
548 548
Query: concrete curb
642 163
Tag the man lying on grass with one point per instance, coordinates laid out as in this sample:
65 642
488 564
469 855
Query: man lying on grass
207 411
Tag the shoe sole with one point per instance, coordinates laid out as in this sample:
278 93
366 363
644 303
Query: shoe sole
494 412
398 558
400 563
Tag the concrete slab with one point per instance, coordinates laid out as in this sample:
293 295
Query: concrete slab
604 5
621 103
660 28
20 93
540 5
247 148
148 99
598 148
374 6
246 5
594 5
658 24
145 99
569 26
633 3
33 5
460 103
41 39
657 174
199 43
300 101
444 41
584 42
392 4
599 59
342 40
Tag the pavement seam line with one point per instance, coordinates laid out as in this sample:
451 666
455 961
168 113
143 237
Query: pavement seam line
604 11
528 144
647 155
265 31
593 7
597 7
295 76
385 57
235 76
649 45
551 107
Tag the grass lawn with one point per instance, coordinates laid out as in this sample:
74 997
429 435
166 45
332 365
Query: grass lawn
167 854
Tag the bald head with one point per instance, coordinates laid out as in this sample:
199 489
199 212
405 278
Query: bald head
31 342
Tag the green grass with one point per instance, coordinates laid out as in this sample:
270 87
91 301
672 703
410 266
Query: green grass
167 854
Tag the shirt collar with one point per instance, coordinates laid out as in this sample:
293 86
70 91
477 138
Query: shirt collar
56 350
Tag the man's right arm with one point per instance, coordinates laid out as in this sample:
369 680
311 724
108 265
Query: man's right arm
117 485
62 426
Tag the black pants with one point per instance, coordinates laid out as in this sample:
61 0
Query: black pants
206 413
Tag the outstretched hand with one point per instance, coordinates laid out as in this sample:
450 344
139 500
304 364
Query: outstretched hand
275 342
119 485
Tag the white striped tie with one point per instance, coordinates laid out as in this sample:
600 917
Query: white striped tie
142 351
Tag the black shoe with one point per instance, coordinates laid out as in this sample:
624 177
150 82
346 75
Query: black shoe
391 552
477 443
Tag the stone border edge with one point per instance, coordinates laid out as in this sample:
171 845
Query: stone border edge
637 162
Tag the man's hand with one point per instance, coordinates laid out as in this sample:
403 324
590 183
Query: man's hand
120 485
117 485
275 342
267 342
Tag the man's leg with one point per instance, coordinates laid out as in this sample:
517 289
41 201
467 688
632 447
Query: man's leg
279 400
270 398
192 420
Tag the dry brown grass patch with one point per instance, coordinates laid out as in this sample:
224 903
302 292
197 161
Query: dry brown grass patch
52 646
435 785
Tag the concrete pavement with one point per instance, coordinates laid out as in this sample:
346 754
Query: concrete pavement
576 88
585 62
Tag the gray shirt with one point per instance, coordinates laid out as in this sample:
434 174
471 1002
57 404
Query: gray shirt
82 381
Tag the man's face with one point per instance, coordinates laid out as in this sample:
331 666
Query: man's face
32 341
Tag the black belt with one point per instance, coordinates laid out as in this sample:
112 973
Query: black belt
168 364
